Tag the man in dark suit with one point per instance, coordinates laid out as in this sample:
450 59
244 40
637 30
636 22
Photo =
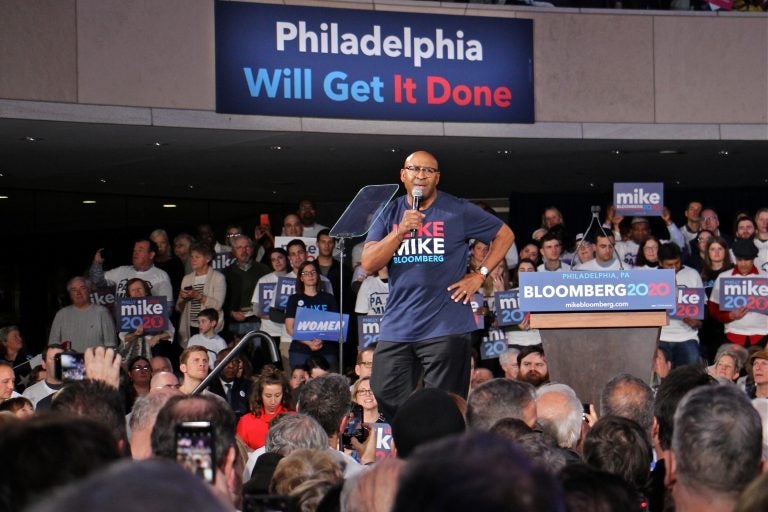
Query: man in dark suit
235 390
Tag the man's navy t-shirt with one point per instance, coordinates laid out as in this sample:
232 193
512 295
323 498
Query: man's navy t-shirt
419 305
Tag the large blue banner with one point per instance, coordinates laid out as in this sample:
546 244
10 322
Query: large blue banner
612 290
361 64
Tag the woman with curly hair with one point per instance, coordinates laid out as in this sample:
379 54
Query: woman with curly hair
270 397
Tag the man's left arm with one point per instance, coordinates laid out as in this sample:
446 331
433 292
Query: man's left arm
463 289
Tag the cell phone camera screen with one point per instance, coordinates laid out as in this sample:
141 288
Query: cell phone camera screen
195 449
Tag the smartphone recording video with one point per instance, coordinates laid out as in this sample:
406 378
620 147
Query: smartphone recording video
195 448
355 427
69 366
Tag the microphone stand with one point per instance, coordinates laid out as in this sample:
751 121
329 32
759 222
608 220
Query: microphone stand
595 219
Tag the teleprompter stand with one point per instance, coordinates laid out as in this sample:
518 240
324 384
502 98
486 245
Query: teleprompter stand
355 222
586 350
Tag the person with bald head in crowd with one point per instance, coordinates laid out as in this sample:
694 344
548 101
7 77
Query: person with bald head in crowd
498 399
292 226
628 397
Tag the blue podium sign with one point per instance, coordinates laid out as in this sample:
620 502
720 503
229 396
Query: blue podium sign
616 290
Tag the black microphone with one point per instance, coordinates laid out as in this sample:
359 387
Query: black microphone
416 193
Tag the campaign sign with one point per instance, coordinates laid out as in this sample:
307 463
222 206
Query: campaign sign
382 436
748 292
265 293
104 296
311 243
313 323
645 199
286 286
690 304
149 312
287 60
603 290
368 329
493 344
222 260
508 310
477 302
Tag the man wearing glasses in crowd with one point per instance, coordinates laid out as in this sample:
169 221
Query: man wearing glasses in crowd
425 331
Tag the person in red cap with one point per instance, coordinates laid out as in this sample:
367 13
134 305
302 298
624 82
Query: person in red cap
742 326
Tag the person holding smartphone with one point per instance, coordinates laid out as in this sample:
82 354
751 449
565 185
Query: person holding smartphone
202 288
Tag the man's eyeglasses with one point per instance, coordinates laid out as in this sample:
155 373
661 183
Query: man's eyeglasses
140 369
366 364
309 273
416 169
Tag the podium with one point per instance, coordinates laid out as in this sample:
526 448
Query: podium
587 349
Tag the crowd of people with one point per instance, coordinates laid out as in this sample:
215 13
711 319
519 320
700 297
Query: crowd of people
301 431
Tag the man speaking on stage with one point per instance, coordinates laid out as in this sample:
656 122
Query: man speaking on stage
423 238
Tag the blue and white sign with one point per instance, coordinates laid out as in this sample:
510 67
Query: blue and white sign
744 292
612 290
494 344
222 260
508 310
368 64
265 293
286 286
368 329
690 304
149 313
645 199
313 323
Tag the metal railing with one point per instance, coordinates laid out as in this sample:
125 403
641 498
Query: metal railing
273 352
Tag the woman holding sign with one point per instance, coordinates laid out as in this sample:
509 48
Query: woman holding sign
278 259
137 343
308 295
202 288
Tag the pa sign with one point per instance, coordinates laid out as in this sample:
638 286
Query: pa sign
645 199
